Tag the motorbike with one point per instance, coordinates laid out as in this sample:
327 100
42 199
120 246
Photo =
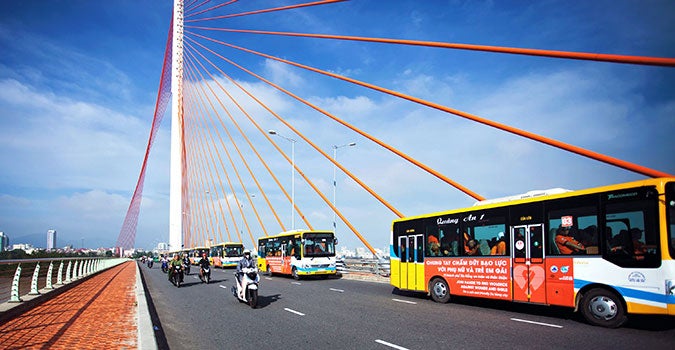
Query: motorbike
165 266
150 263
177 276
205 275
246 288
186 267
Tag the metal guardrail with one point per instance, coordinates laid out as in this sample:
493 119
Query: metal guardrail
23 277
374 266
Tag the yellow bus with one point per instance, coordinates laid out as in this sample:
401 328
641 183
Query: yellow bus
226 254
195 254
298 253
606 252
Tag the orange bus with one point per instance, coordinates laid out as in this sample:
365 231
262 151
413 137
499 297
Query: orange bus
226 254
606 252
298 253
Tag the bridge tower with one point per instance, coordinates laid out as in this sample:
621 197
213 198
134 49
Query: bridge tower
176 211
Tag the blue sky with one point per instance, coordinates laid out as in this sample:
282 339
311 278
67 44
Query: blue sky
78 83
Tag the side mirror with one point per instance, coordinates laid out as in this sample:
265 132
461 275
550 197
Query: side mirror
335 241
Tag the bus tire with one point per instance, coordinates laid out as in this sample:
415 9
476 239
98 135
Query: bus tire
269 271
294 273
601 307
439 290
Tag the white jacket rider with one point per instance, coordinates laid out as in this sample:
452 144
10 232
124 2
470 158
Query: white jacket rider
246 261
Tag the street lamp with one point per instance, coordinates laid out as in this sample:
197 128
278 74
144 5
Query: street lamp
292 141
335 148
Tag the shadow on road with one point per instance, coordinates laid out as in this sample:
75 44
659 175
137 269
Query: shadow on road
266 300
639 322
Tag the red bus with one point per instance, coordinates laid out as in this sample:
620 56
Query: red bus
605 252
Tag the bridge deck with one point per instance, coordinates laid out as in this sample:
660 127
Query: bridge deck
100 313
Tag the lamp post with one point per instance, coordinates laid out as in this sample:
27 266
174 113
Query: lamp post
292 141
335 148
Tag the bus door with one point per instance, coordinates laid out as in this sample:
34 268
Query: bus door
411 271
528 269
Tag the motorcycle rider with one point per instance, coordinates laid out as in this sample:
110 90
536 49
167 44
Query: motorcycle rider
186 264
246 261
174 262
203 263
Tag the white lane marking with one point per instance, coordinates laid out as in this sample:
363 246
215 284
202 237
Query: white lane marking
405 301
293 311
268 278
298 283
337 290
222 286
537 323
390 344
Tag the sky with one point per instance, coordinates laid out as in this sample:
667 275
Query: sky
79 79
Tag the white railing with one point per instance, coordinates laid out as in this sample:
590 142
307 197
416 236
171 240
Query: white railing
378 267
20 278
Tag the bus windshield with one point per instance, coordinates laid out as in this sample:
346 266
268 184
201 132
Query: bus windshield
319 244
234 251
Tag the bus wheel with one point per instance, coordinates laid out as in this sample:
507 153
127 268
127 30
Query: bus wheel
294 273
439 290
269 271
604 308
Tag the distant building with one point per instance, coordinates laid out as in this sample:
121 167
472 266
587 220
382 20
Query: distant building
162 246
28 248
51 239
4 242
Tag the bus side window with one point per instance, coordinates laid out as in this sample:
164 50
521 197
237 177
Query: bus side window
635 239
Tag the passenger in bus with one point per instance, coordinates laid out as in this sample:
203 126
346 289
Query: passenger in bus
638 245
447 244
434 246
473 248
499 248
567 244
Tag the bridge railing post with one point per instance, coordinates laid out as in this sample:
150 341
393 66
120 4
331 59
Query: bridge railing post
14 294
59 279
48 282
34 281
68 270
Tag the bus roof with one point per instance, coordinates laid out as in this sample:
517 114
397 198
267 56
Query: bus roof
536 197
294 232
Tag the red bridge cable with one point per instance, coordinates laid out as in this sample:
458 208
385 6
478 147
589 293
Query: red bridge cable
241 156
326 200
296 207
194 7
192 174
199 194
568 147
199 168
323 2
210 8
243 134
234 222
251 145
227 153
355 129
317 148
222 165
127 235
187 6
641 60
222 214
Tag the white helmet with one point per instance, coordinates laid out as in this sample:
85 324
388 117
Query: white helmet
246 251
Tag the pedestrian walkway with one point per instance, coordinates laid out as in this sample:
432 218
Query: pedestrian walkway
99 313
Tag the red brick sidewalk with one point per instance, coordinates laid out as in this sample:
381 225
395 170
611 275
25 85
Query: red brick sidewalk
100 313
